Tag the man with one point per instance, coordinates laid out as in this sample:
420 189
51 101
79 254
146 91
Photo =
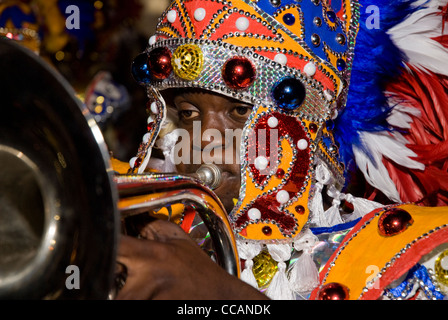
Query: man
284 73
212 111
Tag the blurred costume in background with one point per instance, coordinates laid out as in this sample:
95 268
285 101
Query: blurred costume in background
18 21
355 93
94 56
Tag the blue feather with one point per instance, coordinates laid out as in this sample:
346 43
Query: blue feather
376 62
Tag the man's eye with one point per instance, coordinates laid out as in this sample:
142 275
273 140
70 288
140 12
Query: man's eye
188 114
242 111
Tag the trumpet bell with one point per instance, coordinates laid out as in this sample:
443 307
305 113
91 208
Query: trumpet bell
58 204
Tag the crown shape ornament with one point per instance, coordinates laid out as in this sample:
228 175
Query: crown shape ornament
290 59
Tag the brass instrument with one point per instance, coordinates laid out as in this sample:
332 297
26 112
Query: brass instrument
61 204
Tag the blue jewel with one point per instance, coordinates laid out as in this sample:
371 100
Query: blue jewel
140 70
330 125
289 19
331 16
289 93
340 63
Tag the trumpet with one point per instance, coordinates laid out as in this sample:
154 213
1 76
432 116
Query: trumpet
61 204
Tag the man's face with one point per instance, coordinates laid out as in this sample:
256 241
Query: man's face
214 124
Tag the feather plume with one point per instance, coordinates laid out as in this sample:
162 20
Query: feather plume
427 136
418 31
377 61
394 124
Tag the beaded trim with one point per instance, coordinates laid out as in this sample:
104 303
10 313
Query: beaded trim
317 104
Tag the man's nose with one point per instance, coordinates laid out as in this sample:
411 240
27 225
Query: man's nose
212 133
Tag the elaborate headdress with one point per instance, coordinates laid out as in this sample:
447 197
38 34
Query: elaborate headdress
293 61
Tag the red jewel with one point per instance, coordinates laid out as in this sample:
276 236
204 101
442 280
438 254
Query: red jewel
280 173
394 221
267 230
150 126
137 163
333 291
159 63
300 209
238 73
313 128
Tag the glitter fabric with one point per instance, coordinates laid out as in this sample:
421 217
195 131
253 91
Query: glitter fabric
273 212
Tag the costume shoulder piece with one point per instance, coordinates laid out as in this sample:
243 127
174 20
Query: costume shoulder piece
397 252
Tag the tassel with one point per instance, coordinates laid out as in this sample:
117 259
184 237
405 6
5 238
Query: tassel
361 207
323 177
304 275
333 213
279 288
247 251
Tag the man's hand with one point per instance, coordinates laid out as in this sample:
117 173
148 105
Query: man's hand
169 265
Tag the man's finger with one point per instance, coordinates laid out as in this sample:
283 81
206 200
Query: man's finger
161 230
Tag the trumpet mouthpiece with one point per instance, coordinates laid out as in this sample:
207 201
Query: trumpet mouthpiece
210 174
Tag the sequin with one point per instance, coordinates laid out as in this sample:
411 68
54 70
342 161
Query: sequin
254 214
140 70
199 14
171 16
188 61
341 64
310 69
331 16
441 268
289 93
238 73
302 144
333 291
340 38
264 269
272 122
280 173
282 196
159 63
394 221
242 23
315 39
281 58
289 19
300 209
267 230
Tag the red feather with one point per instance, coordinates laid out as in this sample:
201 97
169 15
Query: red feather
427 137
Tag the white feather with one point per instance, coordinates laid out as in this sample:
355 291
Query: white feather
390 146
401 116
414 37
376 177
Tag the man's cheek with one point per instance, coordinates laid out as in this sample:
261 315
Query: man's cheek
182 152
